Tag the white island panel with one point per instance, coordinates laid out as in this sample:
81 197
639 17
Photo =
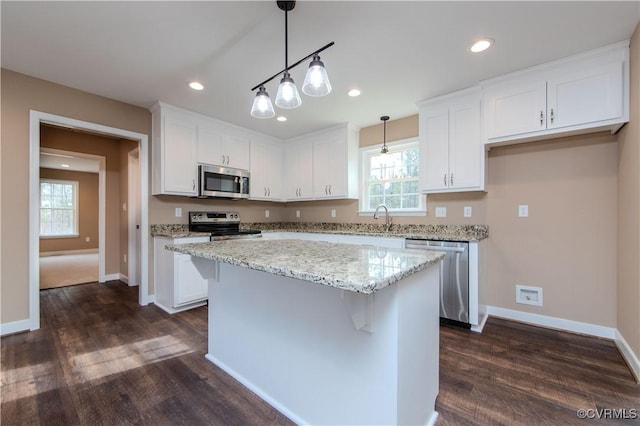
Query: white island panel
294 343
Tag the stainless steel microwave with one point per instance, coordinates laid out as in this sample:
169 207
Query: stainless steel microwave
222 182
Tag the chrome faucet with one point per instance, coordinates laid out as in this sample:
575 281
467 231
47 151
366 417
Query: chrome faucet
387 224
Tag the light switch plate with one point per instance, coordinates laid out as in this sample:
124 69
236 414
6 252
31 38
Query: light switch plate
333 212
266 213
441 212
178 211
523 211
297 213
468 211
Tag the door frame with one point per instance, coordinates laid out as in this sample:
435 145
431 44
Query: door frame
133 207
35 119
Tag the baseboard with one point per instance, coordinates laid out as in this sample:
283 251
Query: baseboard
124 278
63 252
553 322
629 356
15 327
112 277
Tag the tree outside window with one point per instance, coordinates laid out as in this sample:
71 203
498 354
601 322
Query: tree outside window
58 208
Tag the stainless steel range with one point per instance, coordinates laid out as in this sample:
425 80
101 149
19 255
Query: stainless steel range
221 225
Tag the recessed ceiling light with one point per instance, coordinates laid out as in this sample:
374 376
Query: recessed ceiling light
481 45
66 166
281 118
196 85
353 92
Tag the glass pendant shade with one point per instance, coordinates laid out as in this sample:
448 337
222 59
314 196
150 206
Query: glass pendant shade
287 96
316 82
262 106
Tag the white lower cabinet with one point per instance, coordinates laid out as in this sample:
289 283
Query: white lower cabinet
179 285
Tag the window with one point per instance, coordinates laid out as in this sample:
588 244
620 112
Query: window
392 179
58 208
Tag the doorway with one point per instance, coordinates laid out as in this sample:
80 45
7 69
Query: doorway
37 118
79 256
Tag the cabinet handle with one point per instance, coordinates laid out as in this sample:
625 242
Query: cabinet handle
541 119
227 160
265 191
451 179
551 116
268 192
326 192
193 184
329 189
445 179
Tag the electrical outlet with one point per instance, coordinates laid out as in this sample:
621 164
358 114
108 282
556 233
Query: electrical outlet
125 258
529 295
178 211
124 207
333 212
441 212
87 239
297 213
266 213
523 211
468 211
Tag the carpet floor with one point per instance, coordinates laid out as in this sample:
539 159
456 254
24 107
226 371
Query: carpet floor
66 270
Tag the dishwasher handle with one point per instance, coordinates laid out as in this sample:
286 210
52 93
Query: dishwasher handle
426 246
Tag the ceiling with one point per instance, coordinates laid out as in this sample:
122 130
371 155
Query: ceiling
62 160
397 53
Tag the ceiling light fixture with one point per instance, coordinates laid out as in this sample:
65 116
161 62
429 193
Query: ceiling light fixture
281 118
481 45
384 149
66 166
353 93
316 82
196 85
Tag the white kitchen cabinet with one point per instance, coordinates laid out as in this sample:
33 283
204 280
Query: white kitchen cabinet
222 145
298 166
452 156
579 94
335 163
173 151
323 164
179 284
266 169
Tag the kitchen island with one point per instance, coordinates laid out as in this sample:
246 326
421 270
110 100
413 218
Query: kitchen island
326 333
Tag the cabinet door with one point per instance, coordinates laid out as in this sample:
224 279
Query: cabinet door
465 148
322 169
189 284
586 95
334 156
299 165
179 155
266 171
236 150
210 144
515 108
434 148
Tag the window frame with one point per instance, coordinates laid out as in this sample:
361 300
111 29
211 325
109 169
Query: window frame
365 155
76 208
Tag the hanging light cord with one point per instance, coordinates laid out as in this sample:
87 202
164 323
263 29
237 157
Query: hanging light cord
286 41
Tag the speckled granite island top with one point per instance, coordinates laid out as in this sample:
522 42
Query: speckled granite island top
362 269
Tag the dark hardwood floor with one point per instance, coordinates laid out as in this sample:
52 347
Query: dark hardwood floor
100 359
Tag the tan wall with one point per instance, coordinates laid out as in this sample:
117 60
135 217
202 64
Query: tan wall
628 289
87 212
20 94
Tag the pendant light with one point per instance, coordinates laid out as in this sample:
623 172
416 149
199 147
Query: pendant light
262 107
316 82
384 149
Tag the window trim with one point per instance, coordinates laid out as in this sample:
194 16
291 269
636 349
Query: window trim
76 208
364 154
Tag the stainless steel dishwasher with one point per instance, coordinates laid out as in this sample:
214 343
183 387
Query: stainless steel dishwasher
454 278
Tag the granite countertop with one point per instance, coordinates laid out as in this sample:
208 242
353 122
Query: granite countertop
424 232
361 269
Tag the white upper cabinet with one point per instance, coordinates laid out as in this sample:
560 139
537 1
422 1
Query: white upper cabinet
583 93
222 145
298 157
335 163
266 169
452 156
173 151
